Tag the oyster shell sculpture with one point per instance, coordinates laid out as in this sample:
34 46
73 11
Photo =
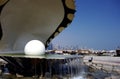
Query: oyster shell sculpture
24 20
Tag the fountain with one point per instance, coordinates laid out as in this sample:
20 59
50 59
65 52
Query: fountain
23 21
46 66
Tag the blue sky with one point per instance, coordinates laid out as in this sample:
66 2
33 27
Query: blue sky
96 25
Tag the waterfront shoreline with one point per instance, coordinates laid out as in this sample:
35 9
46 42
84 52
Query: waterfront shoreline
107 64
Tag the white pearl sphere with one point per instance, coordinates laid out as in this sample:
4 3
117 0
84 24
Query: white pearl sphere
34 47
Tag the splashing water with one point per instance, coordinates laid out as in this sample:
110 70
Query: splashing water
79 77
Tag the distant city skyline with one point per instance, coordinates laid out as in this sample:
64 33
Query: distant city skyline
96 25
